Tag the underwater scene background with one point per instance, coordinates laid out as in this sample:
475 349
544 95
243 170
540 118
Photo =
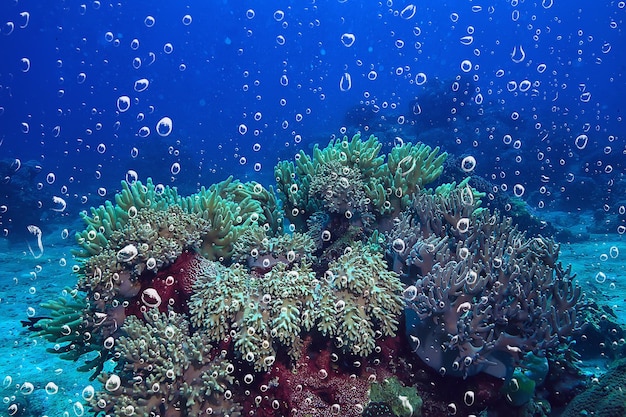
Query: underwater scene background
312 208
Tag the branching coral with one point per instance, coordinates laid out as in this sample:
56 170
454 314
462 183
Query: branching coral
72 330
257 313
164 370
150 240
362 302
356 302
110 217
261 252
485 294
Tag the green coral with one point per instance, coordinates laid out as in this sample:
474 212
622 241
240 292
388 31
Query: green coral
163 369
403 401
411 166
520 389
106 219
71 332
258 250
157 236
258 313
351 177
361 301
231 207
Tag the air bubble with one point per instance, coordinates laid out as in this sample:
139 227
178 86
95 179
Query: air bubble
123 103
518 55
398 245
420 78
88 393
27 388
468 163
408 12
131 176
348 39
187 19
149 21
581 141
410 293
144 132
141 85
463 225
279 15
345 83
164 126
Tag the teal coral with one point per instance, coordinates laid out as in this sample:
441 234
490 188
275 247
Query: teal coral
153 240
351 177
258 313
108 218
257 249
605 396
73 336
231 207
403 401
364 301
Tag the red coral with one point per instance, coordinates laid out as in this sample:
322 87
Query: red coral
169 288
321 384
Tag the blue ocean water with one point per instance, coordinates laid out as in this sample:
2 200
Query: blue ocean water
188 93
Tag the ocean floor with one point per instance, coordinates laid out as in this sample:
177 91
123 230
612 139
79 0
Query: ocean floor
57 389
26 282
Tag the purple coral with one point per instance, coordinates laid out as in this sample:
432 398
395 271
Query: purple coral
484 294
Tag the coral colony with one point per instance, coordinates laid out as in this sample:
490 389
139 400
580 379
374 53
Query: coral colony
333 294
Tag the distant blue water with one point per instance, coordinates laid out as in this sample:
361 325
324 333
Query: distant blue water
226 67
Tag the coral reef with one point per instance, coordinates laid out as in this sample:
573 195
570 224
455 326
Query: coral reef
239 300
